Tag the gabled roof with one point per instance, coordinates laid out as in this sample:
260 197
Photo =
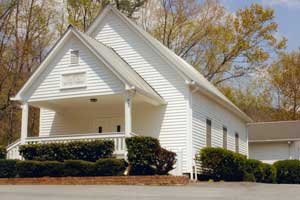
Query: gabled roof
180 65
274 131
106 55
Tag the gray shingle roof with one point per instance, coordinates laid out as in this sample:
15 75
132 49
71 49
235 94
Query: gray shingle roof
120 66
180 64
281 130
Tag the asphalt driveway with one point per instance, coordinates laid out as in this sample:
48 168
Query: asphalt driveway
205 191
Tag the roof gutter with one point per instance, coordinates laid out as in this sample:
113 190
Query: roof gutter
226 105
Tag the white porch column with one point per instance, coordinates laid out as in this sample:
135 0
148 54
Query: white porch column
24 126
128 114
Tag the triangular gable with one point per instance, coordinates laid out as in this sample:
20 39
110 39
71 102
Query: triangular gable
190 74
119 68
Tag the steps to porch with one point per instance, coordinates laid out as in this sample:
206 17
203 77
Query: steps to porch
118 138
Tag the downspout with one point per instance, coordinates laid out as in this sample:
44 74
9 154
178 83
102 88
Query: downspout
193 170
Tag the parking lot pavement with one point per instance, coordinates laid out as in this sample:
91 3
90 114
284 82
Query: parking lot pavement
206 191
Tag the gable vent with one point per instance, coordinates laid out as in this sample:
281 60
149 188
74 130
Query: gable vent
74 57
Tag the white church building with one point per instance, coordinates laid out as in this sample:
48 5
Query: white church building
115 81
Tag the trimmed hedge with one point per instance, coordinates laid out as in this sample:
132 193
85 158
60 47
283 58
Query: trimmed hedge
78 168
110 167
222 164
8 168
33 168
270 173
255 168
288 171
2 152
88 151
146 157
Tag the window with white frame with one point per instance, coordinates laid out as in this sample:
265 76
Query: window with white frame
208 132
237 142
224 137
74 59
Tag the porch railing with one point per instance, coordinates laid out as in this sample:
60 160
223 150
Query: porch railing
118 138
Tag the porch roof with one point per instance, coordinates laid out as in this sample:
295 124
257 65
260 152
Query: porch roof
131 79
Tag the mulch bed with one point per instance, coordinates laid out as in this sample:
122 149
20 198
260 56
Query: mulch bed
98 180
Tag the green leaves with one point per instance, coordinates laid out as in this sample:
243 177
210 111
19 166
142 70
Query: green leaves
146 157
89 151
221 45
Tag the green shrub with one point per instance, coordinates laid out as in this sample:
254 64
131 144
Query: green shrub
52 168
269 173
288 171
222 164
142 153
8 168
255 167
78 168
89 151
249 177
30 168
33 168
165 161
110 167
2 152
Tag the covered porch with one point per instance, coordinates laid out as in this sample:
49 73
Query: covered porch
109 117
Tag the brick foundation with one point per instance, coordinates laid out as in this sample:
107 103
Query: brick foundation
99 180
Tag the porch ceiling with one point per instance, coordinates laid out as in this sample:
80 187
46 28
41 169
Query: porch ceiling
86 102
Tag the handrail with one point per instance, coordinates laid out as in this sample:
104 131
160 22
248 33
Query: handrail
117 137
12 145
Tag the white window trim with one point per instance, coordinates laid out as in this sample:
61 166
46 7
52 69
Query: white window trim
75 86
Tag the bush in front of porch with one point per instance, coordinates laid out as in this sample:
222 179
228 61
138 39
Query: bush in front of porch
79 150
68 168
147 157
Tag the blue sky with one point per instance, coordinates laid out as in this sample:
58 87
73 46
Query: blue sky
287 15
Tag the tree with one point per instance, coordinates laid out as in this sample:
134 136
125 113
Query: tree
285 78
81 13
256 104
221 45
25 37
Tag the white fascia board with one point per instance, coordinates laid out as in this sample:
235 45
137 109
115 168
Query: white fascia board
41 67
135 28
160 48
274 140
52 53
157 99
105 61
233 109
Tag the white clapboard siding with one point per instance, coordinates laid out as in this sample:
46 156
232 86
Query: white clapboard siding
81 120
153 69
204 108
99 79
270 152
